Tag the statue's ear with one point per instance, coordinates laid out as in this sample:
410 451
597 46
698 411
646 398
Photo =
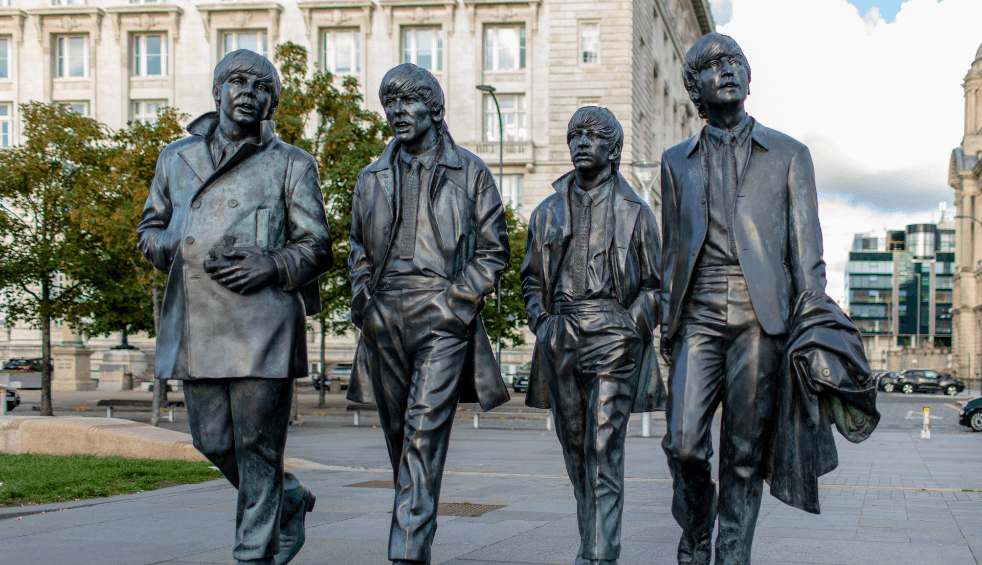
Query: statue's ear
438 115
615 152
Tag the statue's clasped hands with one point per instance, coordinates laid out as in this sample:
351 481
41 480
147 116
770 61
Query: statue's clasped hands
242 269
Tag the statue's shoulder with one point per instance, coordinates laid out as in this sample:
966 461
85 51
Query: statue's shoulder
775 140
174 147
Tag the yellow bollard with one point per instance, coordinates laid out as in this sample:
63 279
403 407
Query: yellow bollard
926 430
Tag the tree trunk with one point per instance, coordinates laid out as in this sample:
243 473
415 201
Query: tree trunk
45 350
159 386
321 402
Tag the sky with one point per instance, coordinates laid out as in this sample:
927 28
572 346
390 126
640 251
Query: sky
874 89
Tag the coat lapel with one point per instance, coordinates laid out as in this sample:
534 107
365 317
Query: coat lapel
198 158
626 206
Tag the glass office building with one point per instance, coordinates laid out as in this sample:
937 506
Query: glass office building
898 286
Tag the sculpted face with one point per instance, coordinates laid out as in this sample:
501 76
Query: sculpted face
590 152
724 81
245 98
409 117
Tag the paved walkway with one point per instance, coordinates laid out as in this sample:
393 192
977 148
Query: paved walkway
894 500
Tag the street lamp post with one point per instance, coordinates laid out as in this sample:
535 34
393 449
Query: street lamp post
644 173
501 178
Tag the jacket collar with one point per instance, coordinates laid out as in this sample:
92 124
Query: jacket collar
205 125
198 155
563 184
758 135
448 155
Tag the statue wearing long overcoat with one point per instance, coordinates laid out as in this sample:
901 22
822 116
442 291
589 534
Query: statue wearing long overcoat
266 195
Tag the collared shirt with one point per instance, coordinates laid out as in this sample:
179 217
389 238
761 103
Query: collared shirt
427 259
598 275
716 250
222 148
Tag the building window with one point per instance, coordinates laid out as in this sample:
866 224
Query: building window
252 40
146 110
65 2
6 124
589 42
423 47
145 1
584 102
342 50
512 114
73 56
4 57
149 54
504 48
511 191
79 107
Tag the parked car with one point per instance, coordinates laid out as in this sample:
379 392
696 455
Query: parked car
341 372
23 365
887 381
971 414
521 382
926 380
12 398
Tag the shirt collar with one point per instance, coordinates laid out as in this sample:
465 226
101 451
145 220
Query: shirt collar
426 158
598 194
741 131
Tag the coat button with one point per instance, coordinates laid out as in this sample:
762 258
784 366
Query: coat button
229 241
811 423
196 205
826 371
385 230
189 240
233 203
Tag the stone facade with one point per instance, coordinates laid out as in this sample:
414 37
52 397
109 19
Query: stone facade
965 176
116 61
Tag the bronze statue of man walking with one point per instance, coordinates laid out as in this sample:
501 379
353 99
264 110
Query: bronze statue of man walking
237 218
743 309
429 242
590 281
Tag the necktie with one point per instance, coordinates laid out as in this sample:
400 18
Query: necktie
729 183
581 247
407 239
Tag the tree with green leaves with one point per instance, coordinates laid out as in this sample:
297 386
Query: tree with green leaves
347 138
119 296
47 186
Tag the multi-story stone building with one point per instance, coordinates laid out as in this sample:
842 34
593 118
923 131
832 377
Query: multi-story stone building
117 61
899 294
964 175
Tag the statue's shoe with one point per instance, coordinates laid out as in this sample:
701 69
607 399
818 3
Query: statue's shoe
695 548
296 503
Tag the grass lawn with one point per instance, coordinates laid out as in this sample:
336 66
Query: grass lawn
41 479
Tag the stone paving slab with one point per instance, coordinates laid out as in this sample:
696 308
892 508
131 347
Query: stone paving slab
867 522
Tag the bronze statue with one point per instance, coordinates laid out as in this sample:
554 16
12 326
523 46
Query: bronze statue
237 218
745 318
590 281
429 242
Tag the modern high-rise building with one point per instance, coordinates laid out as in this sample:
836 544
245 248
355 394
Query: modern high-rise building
899 290
120 60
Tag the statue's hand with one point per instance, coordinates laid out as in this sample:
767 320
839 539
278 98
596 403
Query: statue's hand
250 272
665 346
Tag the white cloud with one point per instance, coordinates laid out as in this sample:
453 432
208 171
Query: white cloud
879 104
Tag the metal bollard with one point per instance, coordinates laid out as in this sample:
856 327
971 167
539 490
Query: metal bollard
3 402
357 417
926 430
646 424
477 421
170 413
549 421
109 412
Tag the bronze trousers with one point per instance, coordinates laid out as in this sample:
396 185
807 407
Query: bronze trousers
721 355
596 355
417 347
240 425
